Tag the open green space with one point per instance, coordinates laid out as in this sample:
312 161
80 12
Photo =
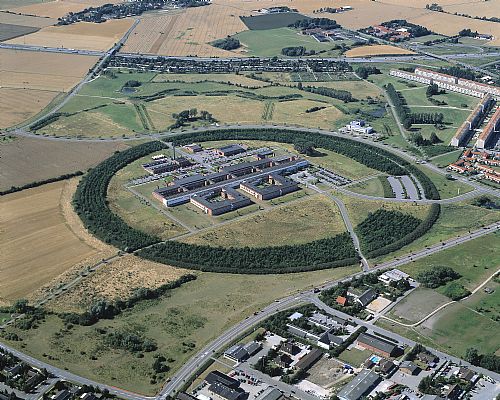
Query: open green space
354 357
455 219
103 108
370 187
474 260
316 217
447 188
444 160
176 322
269 42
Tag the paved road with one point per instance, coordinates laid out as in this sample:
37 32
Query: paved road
89 76
347 223
190 367
203 356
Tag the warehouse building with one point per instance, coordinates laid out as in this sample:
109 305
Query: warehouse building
360 386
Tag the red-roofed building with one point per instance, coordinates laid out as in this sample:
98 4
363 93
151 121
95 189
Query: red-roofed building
342 301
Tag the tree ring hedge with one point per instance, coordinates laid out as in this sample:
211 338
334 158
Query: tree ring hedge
91 204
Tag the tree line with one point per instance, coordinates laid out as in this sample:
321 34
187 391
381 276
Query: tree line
408 118
343 95
31 185
311 23
91 205
228 43
418 231
384 227
105 309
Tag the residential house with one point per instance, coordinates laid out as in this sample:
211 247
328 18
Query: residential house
410 368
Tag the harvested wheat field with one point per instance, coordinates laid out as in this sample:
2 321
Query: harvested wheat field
38 241
188 32
115 280
17 105
59 8
25 20
25 160
42 71
448 24
376 50
476 8
82 35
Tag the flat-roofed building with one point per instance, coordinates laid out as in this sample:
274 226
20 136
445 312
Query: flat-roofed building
231 150
268 187
463 133
490 131
220 200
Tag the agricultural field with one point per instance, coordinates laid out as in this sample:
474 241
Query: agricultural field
10 31
315 217
25 20
189 31
52 159
42 239
82 35
176 322
51 9
31 80
376 50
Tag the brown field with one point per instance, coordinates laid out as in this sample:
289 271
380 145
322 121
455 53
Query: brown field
25 20
39 242
82 35
26 160
29 81
42 71
59 8
17 105
476 8
116 280
189 31
448 24
376 50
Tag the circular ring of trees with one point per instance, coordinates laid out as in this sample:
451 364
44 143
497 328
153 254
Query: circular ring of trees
91 204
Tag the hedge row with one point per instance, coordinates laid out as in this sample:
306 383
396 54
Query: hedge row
31 185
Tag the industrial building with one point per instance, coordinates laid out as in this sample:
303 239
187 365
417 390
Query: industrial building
463 133
231 150
377 345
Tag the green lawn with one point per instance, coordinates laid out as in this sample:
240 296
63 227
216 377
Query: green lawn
371 187
354 357
444 160
475 260
268 43
447 188
173 321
